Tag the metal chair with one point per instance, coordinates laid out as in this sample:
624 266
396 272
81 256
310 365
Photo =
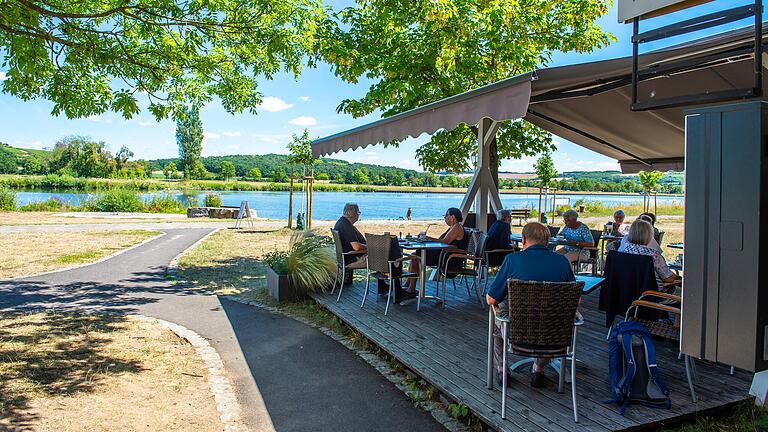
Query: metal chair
455 263
658 236
493 259
594 258
540 323
341 263
553 230
385 260
665 329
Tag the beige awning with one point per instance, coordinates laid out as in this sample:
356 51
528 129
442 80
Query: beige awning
503 100
587 104
578 103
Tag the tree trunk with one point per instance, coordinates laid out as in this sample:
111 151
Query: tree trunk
493 151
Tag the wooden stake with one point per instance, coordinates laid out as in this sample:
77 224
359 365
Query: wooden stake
290 205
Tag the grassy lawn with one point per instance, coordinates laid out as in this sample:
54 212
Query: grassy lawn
35 252
68 372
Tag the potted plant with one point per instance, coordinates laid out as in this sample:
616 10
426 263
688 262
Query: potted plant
309 265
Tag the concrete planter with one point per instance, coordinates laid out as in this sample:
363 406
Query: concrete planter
280 288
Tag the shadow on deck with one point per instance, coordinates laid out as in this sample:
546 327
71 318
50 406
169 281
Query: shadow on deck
447 348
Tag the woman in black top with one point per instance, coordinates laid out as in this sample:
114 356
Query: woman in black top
454 235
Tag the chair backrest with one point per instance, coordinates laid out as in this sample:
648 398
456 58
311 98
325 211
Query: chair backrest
337 244
596 234
553 230
379 249
626 277
659 236
477 242
541 315
470 221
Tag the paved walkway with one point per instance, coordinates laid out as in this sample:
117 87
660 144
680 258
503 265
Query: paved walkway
288 376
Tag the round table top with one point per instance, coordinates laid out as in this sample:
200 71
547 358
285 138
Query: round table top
416 245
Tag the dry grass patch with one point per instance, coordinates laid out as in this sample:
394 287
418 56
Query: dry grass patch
34 252
69 372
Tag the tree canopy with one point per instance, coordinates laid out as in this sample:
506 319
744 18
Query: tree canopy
420 51
93 56
545 169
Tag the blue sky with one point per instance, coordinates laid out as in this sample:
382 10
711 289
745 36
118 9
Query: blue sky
289 106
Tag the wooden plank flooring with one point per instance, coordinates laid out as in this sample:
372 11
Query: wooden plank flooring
447 348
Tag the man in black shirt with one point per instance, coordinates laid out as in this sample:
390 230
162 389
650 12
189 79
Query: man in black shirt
353 240
499 237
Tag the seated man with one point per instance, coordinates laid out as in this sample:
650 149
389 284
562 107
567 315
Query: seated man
499 237
353 240
535 263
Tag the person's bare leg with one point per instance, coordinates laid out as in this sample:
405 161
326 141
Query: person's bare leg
414 268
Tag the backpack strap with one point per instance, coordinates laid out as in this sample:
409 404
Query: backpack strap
653 370
629 373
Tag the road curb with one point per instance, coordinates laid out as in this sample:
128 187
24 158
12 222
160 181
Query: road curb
100 260
219 384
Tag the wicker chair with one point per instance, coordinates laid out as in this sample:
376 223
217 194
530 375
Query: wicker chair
457 263
664 329
540 323
341 264
381 265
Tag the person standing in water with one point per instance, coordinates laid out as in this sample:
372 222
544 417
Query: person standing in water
408 214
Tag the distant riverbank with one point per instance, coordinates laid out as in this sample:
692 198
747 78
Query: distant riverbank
66 183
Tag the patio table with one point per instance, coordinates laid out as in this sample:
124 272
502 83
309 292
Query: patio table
675 246
424 247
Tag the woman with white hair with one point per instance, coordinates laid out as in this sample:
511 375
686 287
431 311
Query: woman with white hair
640 235
578 236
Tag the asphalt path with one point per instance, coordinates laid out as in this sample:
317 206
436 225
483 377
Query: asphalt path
287 376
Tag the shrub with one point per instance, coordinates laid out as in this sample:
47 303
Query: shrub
164 203
49 205
116 200
7 199
212 200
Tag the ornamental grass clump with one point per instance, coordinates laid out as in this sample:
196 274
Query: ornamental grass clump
309 262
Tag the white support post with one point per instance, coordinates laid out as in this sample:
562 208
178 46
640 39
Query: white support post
482 190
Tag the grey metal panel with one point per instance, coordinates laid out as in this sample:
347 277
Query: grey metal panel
692 341
739 264
711 236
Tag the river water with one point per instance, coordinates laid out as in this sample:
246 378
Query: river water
373 205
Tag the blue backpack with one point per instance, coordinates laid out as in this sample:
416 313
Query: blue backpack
634 376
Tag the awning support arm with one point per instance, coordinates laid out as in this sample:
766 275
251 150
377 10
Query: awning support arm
588 135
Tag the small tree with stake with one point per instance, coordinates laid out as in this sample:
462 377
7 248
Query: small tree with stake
545 171
650 181
300 149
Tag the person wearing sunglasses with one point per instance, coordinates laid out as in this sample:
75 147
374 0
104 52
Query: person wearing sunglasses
454 235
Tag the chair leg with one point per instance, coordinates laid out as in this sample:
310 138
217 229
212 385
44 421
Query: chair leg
561 375
731 370
365 294
341 284
504 373
335 280
573 376
389 294
688 375
466 284
491 319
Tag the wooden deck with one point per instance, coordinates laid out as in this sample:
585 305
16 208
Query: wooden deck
447 348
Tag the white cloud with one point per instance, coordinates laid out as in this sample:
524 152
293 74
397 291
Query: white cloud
98 119
274 104
273 139
146 123
304 98
211 135
4 76
303 121
231 133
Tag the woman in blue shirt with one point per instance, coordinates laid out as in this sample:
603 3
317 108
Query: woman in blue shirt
578 236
